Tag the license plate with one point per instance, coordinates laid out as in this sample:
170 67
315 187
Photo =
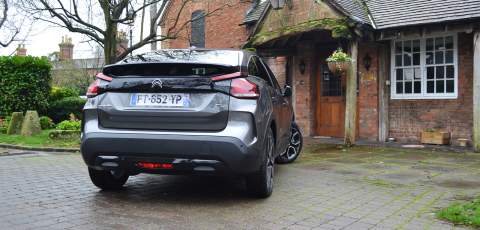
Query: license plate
160 99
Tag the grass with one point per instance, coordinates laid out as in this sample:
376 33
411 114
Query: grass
40 140
462 213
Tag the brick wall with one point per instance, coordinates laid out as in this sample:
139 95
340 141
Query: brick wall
278 67
222 28
304 88
409 117
368 92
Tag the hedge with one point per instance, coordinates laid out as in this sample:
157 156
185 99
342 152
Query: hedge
24 84
60 110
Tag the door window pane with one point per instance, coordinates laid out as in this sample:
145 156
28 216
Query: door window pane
399 87
416 59
430 86
407 59
439 43
430 72
439 57
408 74
429 46
398 60
449 56
429 57
440 86
450 71
399 74
450 86
408 87
449 42
439 72
417 87
416 45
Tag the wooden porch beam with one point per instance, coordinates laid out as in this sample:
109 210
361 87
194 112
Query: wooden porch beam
383 92
351 97
476 91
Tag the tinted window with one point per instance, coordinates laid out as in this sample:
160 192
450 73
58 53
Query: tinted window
256 68
198 29
272 76
218 57
168 69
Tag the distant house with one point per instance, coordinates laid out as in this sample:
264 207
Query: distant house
413 62
77 72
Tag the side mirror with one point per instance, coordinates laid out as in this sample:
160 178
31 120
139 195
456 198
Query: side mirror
287 91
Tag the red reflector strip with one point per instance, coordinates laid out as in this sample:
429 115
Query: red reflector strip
104 77
154 165
226 76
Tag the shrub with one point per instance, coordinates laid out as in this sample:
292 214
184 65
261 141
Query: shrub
46 122
59 93
31 124
24 83
15 124
69 125
60 110
64 134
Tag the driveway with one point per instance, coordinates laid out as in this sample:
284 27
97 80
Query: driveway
328 188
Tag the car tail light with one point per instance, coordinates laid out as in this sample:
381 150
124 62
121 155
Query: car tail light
243 88
92 90
146 165
226 76
104 77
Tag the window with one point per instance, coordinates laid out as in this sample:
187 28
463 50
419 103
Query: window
198 29
424 68
255 68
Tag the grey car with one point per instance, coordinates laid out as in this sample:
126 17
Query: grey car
188 111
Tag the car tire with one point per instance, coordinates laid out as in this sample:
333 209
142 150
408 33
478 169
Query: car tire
294 147
260 184
106 180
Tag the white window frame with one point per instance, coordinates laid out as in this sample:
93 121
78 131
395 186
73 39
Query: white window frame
423 70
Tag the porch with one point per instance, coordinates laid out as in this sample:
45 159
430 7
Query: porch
402 81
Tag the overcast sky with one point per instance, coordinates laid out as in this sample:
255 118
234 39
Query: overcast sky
43 39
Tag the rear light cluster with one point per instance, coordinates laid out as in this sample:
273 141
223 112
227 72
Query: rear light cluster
240 87
146 165
93 89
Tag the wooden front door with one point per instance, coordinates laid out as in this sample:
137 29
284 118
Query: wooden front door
330 111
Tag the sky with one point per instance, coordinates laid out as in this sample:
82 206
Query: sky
43 39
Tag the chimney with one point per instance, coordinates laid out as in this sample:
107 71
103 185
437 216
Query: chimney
21 50
122 42
66 49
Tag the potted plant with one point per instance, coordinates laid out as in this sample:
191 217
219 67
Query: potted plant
436 137
339 61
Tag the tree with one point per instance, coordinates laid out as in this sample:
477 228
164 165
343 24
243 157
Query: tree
76 16
9 30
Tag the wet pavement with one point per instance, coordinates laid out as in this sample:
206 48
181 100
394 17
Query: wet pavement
328 188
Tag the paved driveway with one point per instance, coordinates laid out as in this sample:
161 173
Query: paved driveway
328 188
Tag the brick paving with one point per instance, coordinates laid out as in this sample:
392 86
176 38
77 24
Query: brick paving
335 191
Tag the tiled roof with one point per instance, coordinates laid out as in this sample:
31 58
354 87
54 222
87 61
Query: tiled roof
397 13
355 8
254 14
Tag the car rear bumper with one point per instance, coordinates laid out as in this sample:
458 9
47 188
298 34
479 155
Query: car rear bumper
188 154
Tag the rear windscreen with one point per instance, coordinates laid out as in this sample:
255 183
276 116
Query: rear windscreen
167 69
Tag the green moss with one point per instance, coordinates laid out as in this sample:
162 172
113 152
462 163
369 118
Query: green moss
15 124
462 213
31 124
339 28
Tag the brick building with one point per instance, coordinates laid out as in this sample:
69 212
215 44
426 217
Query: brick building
413 62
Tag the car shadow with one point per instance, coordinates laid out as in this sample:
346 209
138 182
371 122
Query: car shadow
181 189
